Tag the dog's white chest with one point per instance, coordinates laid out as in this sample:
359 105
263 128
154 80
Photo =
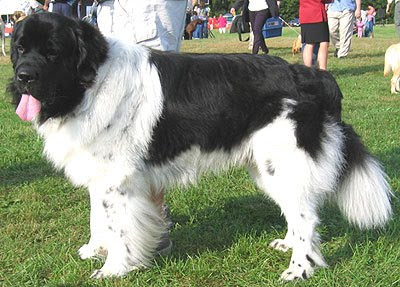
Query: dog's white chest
86 164
63 148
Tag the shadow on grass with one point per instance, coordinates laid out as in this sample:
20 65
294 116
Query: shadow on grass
26 172
252 215
219 228
378 54
391 161
355 71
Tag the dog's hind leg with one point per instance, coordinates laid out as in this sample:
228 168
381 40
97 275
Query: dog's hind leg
395 81
299 206
134 224
298 184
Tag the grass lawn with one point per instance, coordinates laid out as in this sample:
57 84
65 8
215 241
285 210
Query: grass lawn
222 225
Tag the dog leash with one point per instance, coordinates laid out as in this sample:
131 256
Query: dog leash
298 34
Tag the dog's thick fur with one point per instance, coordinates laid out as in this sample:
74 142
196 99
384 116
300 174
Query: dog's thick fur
392 65
127 122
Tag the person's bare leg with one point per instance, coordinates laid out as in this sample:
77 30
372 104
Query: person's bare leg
308 54
323 55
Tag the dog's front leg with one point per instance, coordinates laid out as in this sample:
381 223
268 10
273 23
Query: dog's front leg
97 245
134 226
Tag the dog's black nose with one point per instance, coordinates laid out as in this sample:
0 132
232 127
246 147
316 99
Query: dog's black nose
25 77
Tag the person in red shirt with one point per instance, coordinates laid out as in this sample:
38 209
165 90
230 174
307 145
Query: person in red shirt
314 30
210 24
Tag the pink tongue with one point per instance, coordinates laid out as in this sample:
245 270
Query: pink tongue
28 108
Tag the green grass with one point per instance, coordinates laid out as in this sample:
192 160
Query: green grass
223 225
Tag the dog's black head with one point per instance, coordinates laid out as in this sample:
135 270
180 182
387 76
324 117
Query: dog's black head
55 59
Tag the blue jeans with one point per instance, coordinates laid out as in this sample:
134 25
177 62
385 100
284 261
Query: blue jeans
201 31
63 9
198 32
369 28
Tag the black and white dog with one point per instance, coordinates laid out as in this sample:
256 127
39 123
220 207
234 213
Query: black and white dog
126 122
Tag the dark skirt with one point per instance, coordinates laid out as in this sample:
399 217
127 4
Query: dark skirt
314 33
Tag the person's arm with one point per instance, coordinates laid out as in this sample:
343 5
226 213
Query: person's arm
357 13
46 5
389 4
238 4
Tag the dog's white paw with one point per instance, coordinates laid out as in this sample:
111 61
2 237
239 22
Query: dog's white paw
303 267
281 244
105 272
100 274
297 272
90 251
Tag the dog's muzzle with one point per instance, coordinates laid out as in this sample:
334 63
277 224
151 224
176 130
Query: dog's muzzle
26 76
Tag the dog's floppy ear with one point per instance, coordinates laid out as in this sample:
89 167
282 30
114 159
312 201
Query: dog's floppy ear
12 87
91 52
13 49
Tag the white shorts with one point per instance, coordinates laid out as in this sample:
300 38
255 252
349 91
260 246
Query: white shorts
158 24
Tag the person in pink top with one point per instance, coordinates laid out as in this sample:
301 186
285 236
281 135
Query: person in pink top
221 24
369 25
360 28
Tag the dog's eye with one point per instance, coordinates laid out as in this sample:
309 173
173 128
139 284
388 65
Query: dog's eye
20 49
51 54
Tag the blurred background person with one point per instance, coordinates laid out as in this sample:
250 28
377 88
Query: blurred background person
341 17
157 24
63 7
396 13
257 12
314 31
222 24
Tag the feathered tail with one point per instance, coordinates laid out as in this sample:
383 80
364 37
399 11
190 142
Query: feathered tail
364 193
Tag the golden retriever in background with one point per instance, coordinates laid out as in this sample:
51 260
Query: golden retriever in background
296 48
18 16
392 64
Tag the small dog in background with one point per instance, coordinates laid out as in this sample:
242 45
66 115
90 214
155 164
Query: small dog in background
296 48
18 16
191 27
392 64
